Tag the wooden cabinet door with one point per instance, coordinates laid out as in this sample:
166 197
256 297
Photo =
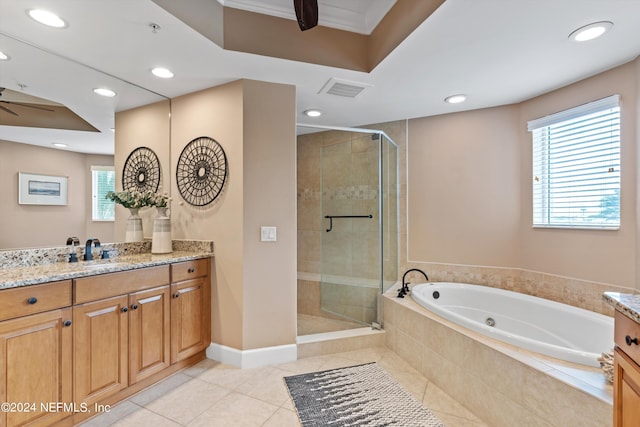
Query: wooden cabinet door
100 349
35 363
190 317
149 333
626 391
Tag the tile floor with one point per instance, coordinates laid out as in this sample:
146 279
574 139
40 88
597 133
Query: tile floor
308 324
212 394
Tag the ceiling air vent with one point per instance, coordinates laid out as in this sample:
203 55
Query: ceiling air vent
344 88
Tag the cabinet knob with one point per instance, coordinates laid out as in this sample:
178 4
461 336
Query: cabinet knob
191 270
134 307
630 340
67 323
125 309
32 300
176 295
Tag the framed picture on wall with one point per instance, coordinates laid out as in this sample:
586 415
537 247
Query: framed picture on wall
34 189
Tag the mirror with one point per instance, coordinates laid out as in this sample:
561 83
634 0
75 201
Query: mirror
26 145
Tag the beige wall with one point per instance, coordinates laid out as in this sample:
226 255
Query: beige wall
36 225
254 285
269 176
464 188
147 126
469 189
606 256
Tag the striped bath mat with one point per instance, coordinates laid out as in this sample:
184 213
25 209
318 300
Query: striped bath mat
363 395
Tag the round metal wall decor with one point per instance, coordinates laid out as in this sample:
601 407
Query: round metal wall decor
141 171
201 171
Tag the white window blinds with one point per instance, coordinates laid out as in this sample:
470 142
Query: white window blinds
576 166
103 181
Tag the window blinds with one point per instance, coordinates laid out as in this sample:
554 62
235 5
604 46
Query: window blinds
576 166
103 180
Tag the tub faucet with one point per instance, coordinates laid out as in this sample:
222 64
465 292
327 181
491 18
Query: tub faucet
405 285
88 256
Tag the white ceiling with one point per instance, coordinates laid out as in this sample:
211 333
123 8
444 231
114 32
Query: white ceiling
495 51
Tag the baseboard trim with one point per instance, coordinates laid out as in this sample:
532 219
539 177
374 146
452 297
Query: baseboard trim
253 358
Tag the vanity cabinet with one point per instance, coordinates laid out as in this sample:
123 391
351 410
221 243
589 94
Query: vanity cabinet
98 339
626 383
119 339
190 308
35 353
100 349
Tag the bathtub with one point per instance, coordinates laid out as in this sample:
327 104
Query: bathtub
536 324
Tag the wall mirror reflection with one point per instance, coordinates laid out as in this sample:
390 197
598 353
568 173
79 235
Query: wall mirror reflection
52 123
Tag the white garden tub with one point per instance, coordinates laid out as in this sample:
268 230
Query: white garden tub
547 327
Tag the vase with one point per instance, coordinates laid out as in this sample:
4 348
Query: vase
161 240
134 227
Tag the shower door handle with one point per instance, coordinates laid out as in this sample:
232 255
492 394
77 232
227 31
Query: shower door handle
343 216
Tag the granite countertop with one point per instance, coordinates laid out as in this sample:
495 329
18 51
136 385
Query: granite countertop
37 271
627 304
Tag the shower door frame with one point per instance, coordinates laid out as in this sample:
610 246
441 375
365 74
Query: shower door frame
380 134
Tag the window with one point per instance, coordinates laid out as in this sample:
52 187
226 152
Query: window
103 180
576 167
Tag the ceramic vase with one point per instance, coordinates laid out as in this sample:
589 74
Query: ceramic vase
161 240
134 227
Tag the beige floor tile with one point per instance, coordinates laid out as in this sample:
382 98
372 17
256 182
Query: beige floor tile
266 384
414 383
437 400
283 418
187 401
235 410
145 418
225 375
160 389
115 413
212 394
453 421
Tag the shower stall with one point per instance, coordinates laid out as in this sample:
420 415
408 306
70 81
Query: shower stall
347 227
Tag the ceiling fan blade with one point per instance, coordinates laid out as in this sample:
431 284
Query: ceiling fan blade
307 13
8 110
20 104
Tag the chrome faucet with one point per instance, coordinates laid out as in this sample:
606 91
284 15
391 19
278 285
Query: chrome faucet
405 285
88 256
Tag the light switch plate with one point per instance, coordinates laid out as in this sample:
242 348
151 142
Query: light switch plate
267 234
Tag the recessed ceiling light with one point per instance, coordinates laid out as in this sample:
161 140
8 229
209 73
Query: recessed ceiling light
455 99
313 113
47 18
591 31
104 92
163 73
4 56
58 144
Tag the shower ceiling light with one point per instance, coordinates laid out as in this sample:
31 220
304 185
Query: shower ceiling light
46 18
4 56
591 31
455 99
313 113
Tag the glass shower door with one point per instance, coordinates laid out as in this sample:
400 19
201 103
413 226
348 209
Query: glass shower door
350 244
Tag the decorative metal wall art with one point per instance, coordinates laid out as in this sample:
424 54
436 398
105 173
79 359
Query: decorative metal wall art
141 171
201 171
